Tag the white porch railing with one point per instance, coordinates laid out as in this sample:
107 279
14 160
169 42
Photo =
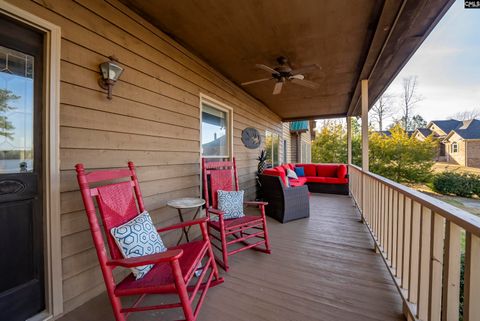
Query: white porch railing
420 240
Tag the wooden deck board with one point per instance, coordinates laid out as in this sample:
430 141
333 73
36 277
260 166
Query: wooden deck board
321 268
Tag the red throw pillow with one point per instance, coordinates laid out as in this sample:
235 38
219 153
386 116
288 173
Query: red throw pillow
327 170
342 171
309 169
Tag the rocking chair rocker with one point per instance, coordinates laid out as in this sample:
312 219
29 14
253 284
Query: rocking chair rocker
173 271
226 232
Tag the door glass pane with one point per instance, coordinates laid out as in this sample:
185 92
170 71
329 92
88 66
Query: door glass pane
16 111
214 132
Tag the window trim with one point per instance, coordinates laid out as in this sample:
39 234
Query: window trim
454 148
204 99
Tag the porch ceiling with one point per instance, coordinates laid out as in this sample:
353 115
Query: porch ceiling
350 40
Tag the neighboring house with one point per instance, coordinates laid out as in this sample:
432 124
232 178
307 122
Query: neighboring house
301 141
463 144
459 141
439 129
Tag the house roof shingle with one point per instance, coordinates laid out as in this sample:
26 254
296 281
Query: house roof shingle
469 129
447 125
425 131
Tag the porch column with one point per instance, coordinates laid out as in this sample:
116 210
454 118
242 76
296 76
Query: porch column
365 125
364 143
349 140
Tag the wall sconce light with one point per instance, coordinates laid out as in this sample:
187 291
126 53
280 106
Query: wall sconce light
110 72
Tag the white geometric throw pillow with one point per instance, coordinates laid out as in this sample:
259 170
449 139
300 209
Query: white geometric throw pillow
138 237
231 203
291 174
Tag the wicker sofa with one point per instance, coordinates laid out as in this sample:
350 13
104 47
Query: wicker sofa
285 204
288 199
320 178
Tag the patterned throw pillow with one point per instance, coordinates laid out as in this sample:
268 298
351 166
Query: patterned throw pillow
138 237
231 203
291 174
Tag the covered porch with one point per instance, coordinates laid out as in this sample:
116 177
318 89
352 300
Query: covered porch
368 256
321 268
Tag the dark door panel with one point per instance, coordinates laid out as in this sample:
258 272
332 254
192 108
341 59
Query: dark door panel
22 284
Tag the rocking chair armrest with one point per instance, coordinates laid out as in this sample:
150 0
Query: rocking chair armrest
182 225
215 211
163 257
255 203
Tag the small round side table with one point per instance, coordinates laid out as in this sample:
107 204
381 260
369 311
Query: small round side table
184 204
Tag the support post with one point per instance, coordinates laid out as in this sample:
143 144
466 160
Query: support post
349 140
365 125
364 142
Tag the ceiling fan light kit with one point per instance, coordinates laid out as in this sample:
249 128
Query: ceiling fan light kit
283 73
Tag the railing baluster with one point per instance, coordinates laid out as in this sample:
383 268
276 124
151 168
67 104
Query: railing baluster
472 278
424 264
387 224
400 232
406 243
451 273
394 229
436 266
415 224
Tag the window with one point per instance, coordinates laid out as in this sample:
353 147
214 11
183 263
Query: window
216 131
454 148
285 161
272 142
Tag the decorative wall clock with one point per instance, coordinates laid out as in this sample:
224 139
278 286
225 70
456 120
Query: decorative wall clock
251 138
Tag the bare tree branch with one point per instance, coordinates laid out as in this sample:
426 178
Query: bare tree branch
410 98
382 110
467 114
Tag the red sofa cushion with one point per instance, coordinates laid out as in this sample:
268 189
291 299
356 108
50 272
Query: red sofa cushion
276 172
327 180
298 182
309 169
285 167
326 170
342 171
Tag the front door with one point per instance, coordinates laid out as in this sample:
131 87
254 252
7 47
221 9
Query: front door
22 288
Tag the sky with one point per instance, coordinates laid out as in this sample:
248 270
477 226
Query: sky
447 66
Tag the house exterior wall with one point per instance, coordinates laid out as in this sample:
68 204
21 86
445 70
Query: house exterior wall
473 153
152 120
458 157
304 138
286 138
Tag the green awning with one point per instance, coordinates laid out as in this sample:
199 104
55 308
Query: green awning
299 126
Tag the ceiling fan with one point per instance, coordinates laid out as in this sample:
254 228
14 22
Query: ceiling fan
284 73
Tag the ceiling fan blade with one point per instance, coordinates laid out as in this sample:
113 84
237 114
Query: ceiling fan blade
305 69
255 81
305 83
278 88
267 69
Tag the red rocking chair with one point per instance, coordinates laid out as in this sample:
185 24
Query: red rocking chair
250 230
173 271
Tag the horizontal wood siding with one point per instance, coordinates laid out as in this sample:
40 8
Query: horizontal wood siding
153 120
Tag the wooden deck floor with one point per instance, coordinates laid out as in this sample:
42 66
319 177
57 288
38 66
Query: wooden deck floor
321 268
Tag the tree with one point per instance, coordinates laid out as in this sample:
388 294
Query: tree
382 110
409 98
400 157
6 127
467 114
415 122
330 143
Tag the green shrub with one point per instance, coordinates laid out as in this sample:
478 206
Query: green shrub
460 184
